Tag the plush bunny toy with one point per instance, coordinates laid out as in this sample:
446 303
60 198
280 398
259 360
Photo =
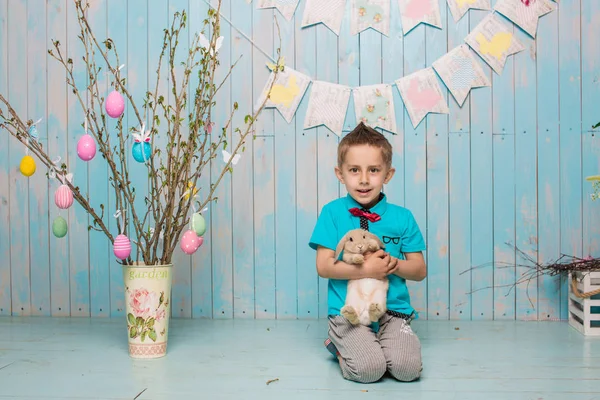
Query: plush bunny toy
366 298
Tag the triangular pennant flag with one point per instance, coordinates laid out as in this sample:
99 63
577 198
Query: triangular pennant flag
525 13
494 41
327 106
366 14
460 72
330 13
287 8
414 12
459 8
374 105
286 93
422 94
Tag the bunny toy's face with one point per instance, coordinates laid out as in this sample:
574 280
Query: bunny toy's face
360 243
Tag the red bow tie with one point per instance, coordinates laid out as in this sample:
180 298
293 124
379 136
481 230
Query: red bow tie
357 212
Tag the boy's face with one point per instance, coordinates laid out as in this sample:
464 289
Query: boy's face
364 174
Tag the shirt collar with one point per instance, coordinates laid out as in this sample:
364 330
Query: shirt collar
379 208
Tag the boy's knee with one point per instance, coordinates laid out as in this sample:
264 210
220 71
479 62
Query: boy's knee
408 369
365 370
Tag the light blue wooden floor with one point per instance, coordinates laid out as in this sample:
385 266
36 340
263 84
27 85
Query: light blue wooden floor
45 358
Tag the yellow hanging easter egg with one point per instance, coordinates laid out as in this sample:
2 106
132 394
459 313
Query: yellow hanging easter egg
27 166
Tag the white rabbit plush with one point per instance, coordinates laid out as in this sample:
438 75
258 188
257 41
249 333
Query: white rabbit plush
366 297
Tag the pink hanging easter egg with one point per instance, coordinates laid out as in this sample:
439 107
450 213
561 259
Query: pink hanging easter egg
122 247
86 148
190 242
115 104
63 197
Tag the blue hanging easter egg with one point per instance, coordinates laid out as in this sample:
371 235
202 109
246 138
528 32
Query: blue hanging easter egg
141 151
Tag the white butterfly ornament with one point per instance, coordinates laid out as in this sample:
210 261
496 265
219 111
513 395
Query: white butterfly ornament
227 157
206 44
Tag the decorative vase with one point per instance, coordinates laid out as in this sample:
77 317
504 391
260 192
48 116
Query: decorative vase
147 306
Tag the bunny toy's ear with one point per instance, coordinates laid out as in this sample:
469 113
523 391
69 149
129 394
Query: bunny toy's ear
376 239
340 246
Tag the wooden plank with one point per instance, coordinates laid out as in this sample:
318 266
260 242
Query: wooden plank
5 167
264 183
482 251
57 147
243 199
264 227
590 57
40 188
503 100
78 237
285 184
19 184
437 234
415 163
526 221
136 69
202 302
117 31
571 180
548 167
181 292
392 51
221 218
327 141
459 187
100 248
307 207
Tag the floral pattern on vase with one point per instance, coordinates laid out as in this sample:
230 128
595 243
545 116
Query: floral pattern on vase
147 308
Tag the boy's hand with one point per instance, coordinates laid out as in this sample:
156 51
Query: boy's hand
379 265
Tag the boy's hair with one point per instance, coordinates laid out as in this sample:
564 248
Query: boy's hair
361 135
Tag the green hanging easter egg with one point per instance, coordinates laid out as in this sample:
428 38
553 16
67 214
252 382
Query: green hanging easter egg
198 224
59 227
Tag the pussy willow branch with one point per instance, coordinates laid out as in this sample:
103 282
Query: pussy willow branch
185 158
18 129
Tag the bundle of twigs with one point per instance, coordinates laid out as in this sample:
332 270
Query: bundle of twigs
563 266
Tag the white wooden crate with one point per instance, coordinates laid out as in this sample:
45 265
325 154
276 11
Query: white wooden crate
584 314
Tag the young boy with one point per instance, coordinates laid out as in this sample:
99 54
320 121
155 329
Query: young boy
364 166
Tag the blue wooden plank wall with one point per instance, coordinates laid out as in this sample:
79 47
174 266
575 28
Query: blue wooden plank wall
507 166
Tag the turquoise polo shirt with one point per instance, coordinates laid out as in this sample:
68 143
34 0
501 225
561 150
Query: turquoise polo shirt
397 229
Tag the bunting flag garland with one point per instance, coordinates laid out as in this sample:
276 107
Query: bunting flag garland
287 8
459 8
330 13
460 72
422 94
493 40
288 90
525 13
374 105
414 12
327 106
366 14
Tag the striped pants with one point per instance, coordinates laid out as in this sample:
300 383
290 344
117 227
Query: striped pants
366 355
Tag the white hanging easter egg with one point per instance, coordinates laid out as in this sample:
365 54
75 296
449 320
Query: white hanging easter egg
115 104
122 247
63 197
86 147
190 242
59 227
198 224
